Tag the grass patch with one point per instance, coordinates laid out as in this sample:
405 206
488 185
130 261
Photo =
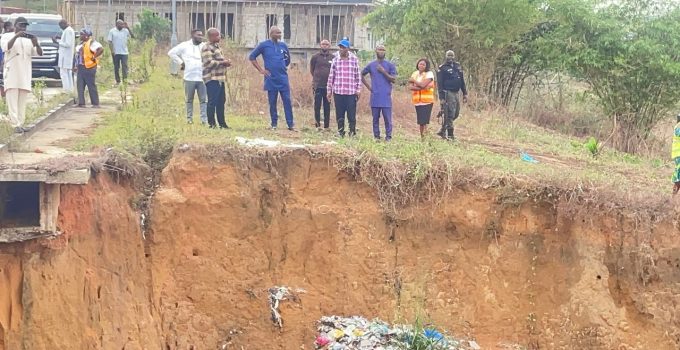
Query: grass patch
407 168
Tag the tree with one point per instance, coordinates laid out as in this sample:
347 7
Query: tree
628 52
151 26
488 36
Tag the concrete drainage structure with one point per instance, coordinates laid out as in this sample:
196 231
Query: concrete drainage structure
29 202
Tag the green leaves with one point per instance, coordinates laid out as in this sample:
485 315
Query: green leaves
151 26
627 52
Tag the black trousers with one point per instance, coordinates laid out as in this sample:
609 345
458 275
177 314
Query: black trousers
320 97
86 78
216 101
118 61
346 105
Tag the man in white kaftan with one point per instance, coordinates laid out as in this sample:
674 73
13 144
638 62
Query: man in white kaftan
18 50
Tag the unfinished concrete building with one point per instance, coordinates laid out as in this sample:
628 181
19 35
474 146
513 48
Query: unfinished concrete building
304 22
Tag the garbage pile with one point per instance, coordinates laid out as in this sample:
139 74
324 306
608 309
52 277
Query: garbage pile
350 333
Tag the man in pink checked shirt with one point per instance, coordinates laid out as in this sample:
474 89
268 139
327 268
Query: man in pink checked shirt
344 85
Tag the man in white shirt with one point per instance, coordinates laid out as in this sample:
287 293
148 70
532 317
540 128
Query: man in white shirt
67 44
7 29
118 39
18 50
188 55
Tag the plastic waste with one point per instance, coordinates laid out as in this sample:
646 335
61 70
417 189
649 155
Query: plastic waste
527 158
433 334
278 294
321 341
358 333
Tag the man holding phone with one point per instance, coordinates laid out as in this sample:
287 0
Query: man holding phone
18 68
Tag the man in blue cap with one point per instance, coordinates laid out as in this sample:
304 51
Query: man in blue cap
276 61
344 86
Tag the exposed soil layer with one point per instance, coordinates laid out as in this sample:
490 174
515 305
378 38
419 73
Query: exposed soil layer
224 231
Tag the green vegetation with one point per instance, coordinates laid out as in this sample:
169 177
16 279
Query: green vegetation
624 52
153 123
592 146
152 27
421 338
40 6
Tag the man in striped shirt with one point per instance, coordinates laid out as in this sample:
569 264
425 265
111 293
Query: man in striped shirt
214 70
344 85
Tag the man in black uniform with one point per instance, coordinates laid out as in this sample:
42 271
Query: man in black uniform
451 81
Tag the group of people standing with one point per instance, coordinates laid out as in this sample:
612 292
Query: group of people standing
86 56
337 78
205 67
19 46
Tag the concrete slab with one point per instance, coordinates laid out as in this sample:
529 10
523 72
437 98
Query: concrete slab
76 176
20 234
52 139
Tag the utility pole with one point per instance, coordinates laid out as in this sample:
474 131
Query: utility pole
173 36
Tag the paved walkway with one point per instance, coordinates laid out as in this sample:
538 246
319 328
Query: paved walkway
52 140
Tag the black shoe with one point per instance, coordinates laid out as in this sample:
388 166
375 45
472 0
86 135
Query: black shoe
440 133
212 127
225 127
273 128
19 130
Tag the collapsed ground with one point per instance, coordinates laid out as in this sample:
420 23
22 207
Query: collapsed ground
509 269
573 252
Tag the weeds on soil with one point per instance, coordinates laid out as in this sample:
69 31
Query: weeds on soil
404 171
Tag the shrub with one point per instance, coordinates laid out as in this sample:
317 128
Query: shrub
151 26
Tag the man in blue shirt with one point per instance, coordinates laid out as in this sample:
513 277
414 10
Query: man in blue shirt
383 74
276 60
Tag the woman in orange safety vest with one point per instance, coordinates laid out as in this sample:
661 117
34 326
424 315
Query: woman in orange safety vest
422 89
87 60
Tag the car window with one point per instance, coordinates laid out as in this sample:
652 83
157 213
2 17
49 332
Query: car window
43 28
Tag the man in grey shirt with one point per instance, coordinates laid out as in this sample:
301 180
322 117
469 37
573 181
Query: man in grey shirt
118 39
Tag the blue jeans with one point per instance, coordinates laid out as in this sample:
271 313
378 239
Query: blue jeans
287 106
387 114
216 100
198 88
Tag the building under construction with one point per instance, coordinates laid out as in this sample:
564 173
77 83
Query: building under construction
304 22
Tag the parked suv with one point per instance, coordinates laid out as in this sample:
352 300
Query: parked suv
45 27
